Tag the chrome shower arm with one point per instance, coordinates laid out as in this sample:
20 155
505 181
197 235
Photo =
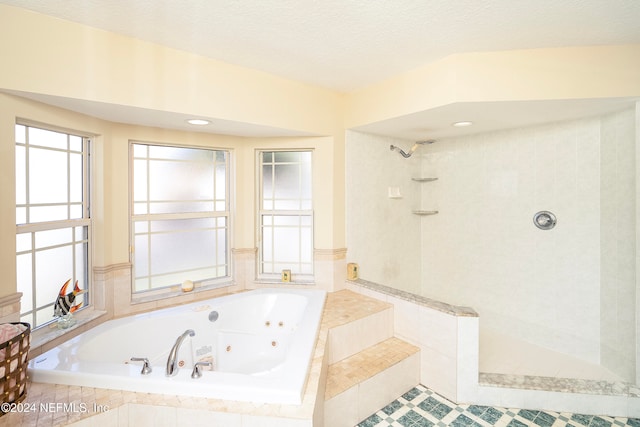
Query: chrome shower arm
412 149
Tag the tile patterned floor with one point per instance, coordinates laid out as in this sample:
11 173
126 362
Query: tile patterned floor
421 407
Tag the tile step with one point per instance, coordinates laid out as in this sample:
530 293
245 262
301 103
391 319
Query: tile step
369 380
357 323
369 362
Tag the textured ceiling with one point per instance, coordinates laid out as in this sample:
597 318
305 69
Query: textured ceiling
346 45
349 44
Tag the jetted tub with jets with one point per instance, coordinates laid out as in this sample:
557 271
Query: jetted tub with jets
260 344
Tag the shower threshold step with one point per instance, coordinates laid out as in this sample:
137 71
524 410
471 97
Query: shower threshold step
368 380
562 385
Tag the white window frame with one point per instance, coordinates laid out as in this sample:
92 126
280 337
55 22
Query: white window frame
214 282
29 229
294 266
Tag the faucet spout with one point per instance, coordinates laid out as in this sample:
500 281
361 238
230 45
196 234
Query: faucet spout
172 360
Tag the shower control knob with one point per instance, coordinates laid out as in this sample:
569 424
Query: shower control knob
544 220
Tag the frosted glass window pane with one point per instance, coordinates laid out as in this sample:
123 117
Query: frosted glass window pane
287 205
81 255
181 153
53 268
267 244
47 213
221 182
287 182
141 257
287 156
21 215
183 224
20 134
139 208
306 252
183 181
141 284
21 176
305 157
287 244
267 182
75 212
75 143
267 219
75 194
286 220
47 176
180 207
141 226
181 251
180 181
140 150
44 315
278 267
140 180
305 181
221 252
53 237
47 138
23 242
24 280
81 234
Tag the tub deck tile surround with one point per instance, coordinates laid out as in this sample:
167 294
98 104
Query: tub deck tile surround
82 403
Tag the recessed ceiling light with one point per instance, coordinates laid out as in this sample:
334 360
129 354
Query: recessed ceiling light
462 124
198 122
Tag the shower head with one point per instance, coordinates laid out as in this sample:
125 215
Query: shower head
412 149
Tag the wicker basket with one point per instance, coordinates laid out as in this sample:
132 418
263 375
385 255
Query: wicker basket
13 368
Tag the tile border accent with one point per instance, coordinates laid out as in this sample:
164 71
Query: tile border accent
454 310
560 385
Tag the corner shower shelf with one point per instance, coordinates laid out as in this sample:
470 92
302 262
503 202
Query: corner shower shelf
424 213
424 179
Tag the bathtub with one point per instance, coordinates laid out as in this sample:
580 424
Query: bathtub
260 343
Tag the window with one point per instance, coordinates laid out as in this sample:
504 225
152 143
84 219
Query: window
180 216
52 218
286 215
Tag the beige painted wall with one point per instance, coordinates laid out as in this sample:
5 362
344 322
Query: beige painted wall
69 60
110 209
66 59
517 75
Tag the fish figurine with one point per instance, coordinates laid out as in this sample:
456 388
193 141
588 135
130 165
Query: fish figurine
64 302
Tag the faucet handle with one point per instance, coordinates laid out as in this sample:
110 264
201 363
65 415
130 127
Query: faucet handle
197 372
146 367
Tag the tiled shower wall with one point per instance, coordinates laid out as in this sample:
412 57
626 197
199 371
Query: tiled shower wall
383 235
618 243
571 289
483 249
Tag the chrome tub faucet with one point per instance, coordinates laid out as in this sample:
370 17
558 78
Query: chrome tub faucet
172 360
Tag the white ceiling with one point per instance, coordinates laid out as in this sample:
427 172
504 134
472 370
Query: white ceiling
349 44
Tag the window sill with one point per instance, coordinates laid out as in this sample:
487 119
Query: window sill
48 333
174 292
280 283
